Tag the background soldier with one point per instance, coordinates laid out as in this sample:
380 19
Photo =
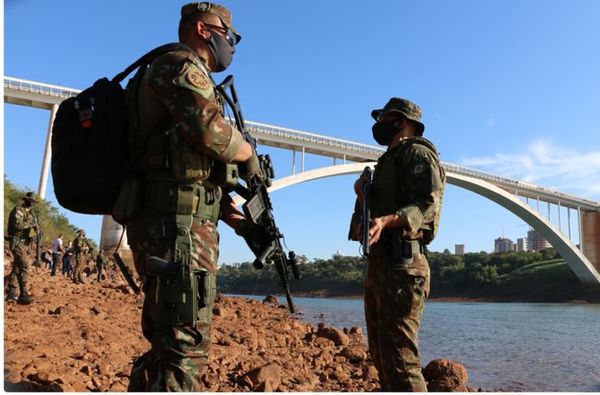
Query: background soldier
100 264
81 249
182 136
22 228
405 203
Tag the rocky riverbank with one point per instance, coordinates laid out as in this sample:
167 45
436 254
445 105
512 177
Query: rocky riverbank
85 338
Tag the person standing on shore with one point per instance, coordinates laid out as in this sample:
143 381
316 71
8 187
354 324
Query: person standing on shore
57 249
175 221
22 228
405 202
100 264
81 248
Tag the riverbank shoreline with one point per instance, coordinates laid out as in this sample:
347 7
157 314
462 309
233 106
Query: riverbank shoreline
453 299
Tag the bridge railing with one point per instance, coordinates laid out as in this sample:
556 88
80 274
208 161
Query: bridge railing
368 152
522 186
36 87
299 135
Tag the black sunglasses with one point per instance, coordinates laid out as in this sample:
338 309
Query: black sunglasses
231 37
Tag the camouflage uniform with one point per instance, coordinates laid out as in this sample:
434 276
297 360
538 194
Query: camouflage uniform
82 248
182 135
409 181
21 226
100 264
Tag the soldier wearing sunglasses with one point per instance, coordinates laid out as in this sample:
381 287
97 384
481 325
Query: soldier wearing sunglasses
180 135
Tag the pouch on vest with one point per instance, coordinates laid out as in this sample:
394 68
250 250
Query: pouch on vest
127 200
183 294
225 174
187 163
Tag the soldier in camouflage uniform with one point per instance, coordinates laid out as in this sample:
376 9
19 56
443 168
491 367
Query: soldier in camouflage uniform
22 226
405 202
181 136
82 249
101 262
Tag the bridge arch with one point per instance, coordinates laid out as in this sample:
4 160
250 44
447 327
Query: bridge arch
576 260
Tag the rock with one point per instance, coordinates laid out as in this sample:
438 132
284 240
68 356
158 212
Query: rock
356 330
56 311
338 337
271 299
444 375
370 373
217 311
354 354
447 384
79 386
265 378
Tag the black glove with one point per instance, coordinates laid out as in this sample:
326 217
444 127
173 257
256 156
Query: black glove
251 167
255 236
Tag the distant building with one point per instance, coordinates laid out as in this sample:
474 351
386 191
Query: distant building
535 241
459 249
522 244
502 244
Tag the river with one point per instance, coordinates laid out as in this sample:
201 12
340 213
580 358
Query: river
505 346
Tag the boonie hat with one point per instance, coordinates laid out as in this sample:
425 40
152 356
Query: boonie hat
407 108
30 197
210 8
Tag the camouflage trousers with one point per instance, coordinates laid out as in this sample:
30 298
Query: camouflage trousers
20 269
178 356
394 302
80 260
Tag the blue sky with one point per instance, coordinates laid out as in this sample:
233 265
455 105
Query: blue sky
508 87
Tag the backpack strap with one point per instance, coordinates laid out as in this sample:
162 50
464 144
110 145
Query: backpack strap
148 57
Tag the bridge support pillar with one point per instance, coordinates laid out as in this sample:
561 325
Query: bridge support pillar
590 225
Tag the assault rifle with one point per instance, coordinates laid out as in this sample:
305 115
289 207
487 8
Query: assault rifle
258 208
38 239
362 214
367 174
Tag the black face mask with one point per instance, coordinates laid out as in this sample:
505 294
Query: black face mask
384 131
221 51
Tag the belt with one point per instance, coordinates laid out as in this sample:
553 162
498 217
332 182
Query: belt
201 201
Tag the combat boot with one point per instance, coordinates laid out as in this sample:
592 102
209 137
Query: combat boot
24 298
11 296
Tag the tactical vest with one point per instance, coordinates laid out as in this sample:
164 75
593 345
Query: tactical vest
159 147
389 191
174 175
14 229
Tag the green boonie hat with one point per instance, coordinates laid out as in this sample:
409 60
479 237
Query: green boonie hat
409 109
210 8
30 197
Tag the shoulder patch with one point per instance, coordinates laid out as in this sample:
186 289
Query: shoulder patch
195 79
198 79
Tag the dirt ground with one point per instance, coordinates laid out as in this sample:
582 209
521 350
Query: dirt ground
86 337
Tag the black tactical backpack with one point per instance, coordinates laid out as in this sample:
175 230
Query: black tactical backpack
90 137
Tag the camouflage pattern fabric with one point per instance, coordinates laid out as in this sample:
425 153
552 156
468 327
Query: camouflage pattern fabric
20 269
81 248
179 354
178 93
100 265
409 181
21 220
177 90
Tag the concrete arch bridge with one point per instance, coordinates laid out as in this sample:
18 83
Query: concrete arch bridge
350 158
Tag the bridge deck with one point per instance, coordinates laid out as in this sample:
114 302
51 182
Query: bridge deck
30 93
